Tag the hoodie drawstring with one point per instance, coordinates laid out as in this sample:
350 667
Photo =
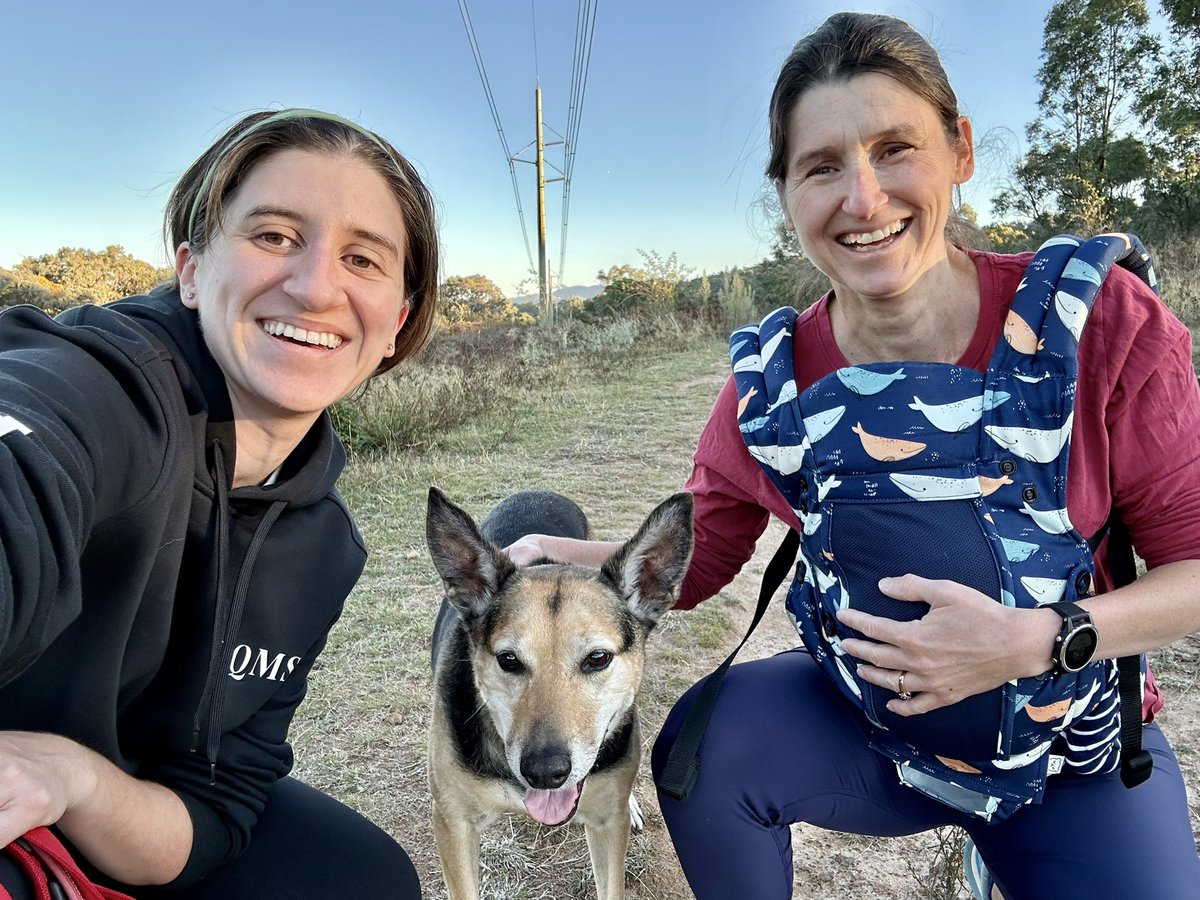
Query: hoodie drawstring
226 616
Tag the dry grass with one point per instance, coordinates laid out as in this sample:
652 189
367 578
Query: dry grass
1177 263
616 434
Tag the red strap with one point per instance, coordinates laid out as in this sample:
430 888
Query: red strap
43 857
21 854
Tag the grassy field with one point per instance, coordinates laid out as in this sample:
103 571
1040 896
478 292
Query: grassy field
614 429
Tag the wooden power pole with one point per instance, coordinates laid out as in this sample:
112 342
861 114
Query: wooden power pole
547 298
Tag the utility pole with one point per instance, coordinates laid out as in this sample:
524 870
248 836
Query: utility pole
547 298
545 294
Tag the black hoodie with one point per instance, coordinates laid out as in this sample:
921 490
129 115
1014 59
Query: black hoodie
147 609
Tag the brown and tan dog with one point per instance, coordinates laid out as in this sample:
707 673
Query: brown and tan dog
536 673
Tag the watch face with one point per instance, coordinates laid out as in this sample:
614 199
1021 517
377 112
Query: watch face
1079 648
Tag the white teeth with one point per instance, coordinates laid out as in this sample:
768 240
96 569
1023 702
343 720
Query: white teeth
873 236
317 338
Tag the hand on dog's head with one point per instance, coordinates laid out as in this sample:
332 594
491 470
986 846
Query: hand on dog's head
647 569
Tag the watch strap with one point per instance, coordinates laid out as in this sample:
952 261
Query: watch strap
1070 611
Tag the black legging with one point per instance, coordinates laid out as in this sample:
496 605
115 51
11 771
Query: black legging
305 846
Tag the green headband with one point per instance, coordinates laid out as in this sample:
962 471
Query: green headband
281 116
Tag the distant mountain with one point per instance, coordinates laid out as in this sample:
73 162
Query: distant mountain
583 291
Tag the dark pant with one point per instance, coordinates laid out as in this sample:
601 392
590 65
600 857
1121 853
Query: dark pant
783 746
305 846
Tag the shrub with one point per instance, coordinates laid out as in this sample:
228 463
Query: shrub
478 376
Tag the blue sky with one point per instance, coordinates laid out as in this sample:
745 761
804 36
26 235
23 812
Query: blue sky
102 106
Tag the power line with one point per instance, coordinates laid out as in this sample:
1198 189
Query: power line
487 90
585 27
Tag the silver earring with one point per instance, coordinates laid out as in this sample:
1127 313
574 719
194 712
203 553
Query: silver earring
191 294
391 348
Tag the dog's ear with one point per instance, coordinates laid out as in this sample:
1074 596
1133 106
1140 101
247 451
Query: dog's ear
649 568
471 567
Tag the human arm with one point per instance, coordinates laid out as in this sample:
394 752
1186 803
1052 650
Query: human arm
734 501
534 548
135 831
84 437
85 442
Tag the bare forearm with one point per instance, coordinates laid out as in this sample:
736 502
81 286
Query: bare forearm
536 547
1158 609
967 643
583 553
136 831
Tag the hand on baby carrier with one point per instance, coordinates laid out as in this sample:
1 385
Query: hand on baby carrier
950 653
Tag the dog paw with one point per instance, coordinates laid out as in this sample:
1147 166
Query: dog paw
637 821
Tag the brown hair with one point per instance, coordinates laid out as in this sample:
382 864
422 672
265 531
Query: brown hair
196 207
849 44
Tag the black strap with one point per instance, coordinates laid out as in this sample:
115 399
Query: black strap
1136 763
683 762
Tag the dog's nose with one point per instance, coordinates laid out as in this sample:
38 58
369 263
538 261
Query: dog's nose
546 768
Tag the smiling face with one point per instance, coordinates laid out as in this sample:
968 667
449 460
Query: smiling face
869 183
301 293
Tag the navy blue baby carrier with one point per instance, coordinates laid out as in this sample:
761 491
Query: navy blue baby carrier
948 473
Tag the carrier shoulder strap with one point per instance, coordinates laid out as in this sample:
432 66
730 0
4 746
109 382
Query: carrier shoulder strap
1127 251
683 762
1136 763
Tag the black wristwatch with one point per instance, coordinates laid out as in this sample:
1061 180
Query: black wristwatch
1077 639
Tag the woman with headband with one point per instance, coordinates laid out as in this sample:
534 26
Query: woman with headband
173 549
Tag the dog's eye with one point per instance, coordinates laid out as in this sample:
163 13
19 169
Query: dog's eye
508 662
597 661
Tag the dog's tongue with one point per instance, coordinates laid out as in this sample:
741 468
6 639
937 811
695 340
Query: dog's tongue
553 807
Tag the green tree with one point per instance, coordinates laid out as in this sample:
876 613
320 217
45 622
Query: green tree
1085 167
617 273
91 276
475 300
17 290
650 290
1170 106
71 276
1010 237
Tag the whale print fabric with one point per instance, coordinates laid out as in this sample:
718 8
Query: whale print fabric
953 473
